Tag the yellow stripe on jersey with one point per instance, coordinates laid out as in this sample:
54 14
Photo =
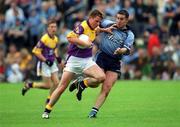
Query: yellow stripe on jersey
86 30
47 41
37 50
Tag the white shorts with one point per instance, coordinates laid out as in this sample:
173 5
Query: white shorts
78 65
44 70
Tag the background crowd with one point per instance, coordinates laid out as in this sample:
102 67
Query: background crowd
156 24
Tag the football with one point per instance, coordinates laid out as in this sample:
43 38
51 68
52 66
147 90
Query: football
85 39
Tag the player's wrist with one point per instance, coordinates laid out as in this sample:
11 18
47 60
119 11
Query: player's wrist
49 62
59 60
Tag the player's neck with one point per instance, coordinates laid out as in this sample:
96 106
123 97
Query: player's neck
50 35
89 24
122 28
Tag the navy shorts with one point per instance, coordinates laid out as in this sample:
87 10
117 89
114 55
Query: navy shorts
107 62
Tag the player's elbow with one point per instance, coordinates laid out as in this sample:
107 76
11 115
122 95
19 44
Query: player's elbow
70 39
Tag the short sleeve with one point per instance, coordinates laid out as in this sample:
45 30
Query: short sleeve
106 23
79 30
129 41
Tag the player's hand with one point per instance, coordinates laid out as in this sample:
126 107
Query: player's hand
59 60
117 51
109 29
49 63
61 65
120 51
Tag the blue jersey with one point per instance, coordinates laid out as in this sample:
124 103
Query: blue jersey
119 39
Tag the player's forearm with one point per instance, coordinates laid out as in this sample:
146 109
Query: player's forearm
40 57
77 41
120 51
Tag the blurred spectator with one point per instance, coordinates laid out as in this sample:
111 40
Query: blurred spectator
2 23
127 6
176 75
35 27
112 8
34 4
100 5
2 31
164 34
53 14
140 8
13 13
152 25
169 11
13 73
150 10
157 63
26 64
176 54
75 19
175 26
142 66
153 41
5 5
24 5
16 34
15 26
2 64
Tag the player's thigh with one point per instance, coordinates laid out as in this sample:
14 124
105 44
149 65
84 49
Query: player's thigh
74 65
94 71
66 78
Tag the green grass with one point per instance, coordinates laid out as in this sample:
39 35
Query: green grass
130 104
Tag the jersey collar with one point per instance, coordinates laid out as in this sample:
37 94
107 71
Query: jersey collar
52 37
89 25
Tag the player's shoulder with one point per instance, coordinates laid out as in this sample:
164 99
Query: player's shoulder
130 34
129 31
56 38
84 24
106 23
44 37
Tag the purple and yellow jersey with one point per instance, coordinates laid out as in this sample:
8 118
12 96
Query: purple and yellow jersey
47 47
83 28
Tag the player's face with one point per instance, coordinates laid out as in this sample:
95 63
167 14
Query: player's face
94 22
121 20
52 28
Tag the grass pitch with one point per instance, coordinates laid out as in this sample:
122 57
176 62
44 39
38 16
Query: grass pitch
130 104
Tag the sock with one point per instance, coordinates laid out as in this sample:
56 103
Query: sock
48 108
83 86
85 82
95 109
48 99
30 85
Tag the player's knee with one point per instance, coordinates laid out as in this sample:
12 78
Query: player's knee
56 84
48 85
101 78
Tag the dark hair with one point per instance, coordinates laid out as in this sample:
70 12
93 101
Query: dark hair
95 13
124 12
51 21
